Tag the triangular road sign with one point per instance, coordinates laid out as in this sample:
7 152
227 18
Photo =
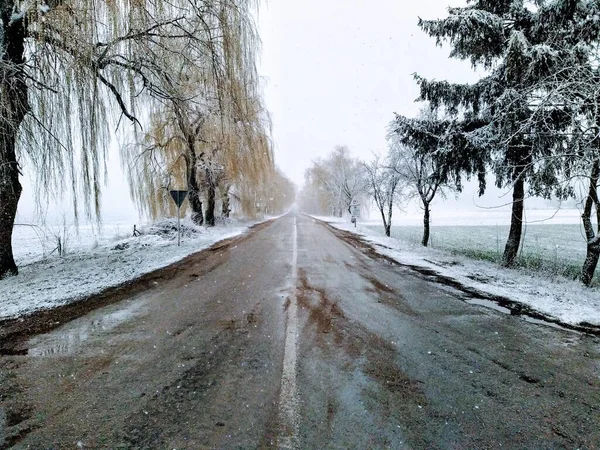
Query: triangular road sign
178 197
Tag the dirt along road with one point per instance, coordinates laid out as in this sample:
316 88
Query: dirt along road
297 336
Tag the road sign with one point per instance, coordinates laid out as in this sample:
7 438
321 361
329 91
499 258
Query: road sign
354 202
178 198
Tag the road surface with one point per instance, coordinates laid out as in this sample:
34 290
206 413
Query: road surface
298 336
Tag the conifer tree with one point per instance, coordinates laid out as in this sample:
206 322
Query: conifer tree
509 39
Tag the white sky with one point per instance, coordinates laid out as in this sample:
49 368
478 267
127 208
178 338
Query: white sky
335 72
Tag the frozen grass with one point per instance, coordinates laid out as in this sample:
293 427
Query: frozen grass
555 249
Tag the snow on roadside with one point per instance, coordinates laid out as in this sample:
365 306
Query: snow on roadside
566 300
55 281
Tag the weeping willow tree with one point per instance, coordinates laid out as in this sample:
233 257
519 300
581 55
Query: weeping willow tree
69 70
210 134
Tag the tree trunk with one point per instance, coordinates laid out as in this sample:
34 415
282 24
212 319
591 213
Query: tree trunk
225 205
386 225
10 192
14 107
210 205
194 193
516 223
388 230
593 239
591 262
425 240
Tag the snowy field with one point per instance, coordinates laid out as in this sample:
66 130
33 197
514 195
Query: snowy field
556 249
555 296
483 217
553 240
95 259
32 243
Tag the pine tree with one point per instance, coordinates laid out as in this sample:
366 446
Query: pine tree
515 139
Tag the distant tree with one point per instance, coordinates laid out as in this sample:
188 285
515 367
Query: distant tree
278 193
345 177
334 182
416 154
384 186
315 197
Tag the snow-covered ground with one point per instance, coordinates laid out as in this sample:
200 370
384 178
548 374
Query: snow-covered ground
96 259
566 300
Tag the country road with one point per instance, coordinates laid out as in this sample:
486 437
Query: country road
298 336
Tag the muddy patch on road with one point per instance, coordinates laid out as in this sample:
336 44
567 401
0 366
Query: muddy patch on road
16 414
167 414
387 295
378 285
329 328
343 347
321 309
200 408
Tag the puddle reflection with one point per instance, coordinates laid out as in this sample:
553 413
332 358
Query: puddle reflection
67 339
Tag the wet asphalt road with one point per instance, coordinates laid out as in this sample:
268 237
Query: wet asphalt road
293 337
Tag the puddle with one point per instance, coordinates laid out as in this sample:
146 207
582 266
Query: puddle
527 318
545 322
488 304
67 339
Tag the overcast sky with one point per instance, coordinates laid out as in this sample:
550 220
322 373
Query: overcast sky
334 73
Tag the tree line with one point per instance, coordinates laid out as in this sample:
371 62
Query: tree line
331 184
178 79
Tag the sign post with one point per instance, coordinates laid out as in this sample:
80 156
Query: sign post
355 211
178 198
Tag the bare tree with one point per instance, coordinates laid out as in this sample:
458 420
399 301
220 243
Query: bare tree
346 177
384 184
335 181
422 175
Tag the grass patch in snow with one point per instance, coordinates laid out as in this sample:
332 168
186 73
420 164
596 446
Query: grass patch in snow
548 249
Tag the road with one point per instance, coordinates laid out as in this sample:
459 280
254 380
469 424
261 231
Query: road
298 336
